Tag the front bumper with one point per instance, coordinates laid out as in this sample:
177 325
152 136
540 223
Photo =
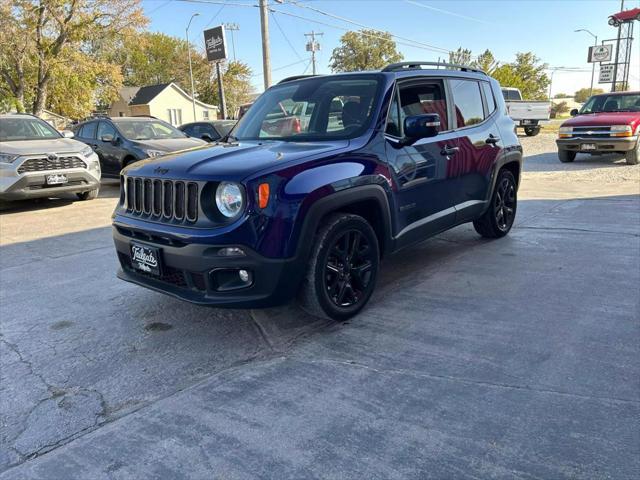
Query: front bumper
33 185
189 270
603 145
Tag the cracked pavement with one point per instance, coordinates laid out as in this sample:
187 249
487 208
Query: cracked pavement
517 358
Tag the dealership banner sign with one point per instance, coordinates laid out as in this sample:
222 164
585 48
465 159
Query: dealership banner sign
600 53
215 44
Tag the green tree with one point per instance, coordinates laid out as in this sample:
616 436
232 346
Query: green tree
581 95
531 73
558 109
560 95
364 50
43 38
486 62
461 56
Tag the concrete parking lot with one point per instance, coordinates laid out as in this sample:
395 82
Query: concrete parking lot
516 358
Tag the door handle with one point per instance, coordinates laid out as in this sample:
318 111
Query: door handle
492 140
447 150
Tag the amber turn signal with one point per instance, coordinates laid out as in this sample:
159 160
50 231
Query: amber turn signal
263 195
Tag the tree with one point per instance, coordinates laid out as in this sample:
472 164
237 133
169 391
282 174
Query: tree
534 80
44 37
560 95
486 62
558 109
462 56
583 94
364 50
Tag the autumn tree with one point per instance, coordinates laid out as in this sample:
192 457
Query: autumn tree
364 50
236 78
45 39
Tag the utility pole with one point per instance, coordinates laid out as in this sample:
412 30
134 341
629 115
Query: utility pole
615 65
193 97
266 55
313 47
232 27
593 64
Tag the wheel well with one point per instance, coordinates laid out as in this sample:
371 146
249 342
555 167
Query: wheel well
371 211
127 160
514 168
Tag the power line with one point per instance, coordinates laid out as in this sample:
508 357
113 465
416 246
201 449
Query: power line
275 19
447 12
215 16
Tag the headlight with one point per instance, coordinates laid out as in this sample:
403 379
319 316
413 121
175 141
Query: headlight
86 152
565 132
154 153
620 131
7 157
229 199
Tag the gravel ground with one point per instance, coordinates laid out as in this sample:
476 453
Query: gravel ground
546 177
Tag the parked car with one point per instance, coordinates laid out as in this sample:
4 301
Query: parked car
210 131
38 161
606 123
120 141
273 215
526 113
243 109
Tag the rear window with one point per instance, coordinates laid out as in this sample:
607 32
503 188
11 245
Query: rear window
467 101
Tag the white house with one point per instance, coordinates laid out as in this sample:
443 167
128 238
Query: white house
167 102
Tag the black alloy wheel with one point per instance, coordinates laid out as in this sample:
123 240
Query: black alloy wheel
348 269
504 205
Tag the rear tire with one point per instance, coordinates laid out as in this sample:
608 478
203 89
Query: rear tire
632 156
343 267
90 195
566 156
497 221
531 131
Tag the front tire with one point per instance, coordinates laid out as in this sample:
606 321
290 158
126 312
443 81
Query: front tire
343 268
90 195
566 156
531 131
632 156
497 221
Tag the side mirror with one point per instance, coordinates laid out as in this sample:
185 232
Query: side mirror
420 126
107 138
206 138
67 134
573 112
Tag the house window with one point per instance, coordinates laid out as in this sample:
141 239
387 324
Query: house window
205 114
175 116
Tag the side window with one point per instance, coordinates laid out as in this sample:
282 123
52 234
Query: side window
105 128
488 95
393 119
189 130
418 99
467 101
89 130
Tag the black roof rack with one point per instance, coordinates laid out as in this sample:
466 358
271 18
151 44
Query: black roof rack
398 67
295 77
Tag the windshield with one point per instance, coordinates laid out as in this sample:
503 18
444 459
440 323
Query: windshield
13 129
147 129
224 128
612 103
322 108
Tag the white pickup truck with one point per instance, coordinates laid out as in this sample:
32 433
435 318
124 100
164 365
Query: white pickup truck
526 113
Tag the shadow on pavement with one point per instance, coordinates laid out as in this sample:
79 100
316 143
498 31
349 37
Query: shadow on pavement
548 162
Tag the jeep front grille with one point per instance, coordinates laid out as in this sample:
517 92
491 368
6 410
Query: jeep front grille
165 200
43 164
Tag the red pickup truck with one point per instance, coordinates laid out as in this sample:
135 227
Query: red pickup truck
606 123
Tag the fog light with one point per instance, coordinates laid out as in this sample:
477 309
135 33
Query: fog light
244 275
231 252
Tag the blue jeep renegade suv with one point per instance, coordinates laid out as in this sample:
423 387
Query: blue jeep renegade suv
320 179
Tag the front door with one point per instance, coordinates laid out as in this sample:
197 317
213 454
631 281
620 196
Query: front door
108 151
423 188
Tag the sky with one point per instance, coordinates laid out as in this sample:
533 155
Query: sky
545 27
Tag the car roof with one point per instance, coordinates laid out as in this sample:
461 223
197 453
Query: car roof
606 94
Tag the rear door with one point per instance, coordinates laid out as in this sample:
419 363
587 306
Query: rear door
423 188
478 137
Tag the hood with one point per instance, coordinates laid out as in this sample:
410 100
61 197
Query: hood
170 144
604 119
230 161
44 146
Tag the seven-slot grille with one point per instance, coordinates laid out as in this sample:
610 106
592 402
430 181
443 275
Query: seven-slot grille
44 163
166 200
591 132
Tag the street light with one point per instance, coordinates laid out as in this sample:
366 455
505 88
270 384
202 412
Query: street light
593 64
193 98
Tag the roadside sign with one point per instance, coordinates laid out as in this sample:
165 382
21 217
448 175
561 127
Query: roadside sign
600 53
215 44
606 73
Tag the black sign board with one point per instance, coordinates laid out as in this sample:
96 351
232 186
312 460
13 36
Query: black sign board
214 44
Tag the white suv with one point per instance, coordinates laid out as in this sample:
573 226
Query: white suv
38 161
